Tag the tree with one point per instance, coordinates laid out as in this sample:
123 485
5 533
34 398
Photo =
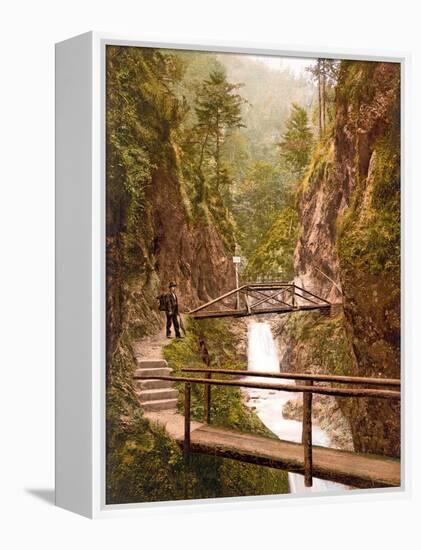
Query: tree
297 141
218 109
257 203
275 250
325 72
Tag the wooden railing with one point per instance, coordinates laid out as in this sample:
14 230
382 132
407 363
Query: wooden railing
307 388
260 298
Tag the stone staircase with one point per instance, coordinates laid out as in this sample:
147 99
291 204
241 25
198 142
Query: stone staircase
155 395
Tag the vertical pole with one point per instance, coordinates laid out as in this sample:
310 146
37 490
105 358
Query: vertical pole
207 406
306 438
187 394
237 284
246 299
293 295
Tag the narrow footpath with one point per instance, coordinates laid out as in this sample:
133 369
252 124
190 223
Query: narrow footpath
158 397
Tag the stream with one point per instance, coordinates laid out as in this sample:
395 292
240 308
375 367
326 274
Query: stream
263 356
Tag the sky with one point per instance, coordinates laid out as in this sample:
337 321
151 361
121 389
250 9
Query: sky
296 64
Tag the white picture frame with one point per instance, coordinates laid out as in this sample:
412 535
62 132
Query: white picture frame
80 272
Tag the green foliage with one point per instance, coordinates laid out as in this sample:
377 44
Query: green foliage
227 407
369 237
269 94
355 82
142 113
212 114
257 203
179 112
325 340
145 465
218 108
275 253
137 453
320 167
297 141
325 73
252 181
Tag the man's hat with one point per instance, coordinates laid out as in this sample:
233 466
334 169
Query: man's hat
172 284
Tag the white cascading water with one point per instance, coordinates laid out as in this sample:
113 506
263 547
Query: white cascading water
263 356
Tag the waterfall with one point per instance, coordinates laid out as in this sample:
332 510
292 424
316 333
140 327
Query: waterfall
263 356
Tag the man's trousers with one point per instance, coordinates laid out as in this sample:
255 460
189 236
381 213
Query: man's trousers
172 319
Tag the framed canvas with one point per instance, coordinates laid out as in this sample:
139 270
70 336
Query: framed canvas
228 274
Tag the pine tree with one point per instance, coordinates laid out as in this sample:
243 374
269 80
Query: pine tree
297 141
218 109
325 73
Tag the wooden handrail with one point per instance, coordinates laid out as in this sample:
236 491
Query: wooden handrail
308 389
260 288
322 390
303 376
230 293
306 298
269 284
311 294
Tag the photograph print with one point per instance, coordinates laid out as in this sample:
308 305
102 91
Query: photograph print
252 275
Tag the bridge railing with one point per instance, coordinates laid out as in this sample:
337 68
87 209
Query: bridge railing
307 388
266 278
259 298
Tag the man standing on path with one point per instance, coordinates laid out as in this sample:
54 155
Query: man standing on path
171 311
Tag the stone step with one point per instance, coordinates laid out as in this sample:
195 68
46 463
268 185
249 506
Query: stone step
157 394
164 371
151 363
153 384
160 405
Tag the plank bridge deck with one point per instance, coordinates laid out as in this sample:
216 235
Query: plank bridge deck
349 468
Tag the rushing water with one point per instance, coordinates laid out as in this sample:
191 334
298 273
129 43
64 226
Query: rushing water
263 356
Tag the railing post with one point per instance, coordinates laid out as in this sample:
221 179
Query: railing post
293 296
307 437
247 301
187 395
207 404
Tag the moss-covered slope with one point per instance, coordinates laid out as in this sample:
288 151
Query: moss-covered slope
349 209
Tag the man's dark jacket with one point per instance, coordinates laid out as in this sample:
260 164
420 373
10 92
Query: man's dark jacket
171 303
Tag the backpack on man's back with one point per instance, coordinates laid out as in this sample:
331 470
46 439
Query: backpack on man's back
162 299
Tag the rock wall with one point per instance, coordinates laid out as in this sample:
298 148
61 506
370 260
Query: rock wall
350 218
170 247
190 253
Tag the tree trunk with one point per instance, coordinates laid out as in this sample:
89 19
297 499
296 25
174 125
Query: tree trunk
202 151
217 151
324 96
319 87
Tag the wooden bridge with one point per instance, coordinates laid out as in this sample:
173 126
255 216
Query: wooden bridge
260 298
350 468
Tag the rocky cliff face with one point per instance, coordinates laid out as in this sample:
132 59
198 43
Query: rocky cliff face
349 212
170 247
192 253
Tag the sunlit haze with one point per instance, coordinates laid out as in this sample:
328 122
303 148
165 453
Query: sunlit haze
296 64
